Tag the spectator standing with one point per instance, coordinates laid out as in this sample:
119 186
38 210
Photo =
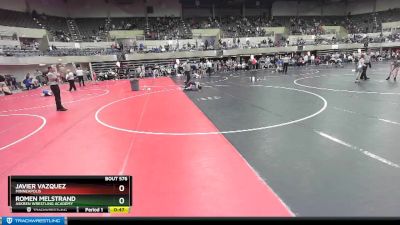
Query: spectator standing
359 70
285 63
88 75
186 69
306 59
71 80
368 59
14 82
94 76
138 71
209 67
39 76
395 66
142 71
79 74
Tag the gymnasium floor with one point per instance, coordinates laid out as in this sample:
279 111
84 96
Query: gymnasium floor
310 143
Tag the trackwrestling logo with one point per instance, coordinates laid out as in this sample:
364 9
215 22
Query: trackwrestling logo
33 220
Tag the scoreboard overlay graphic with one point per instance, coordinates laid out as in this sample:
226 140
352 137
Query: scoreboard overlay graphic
74 194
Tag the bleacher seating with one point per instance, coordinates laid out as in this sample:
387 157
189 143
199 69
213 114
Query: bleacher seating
167 28
172 28
92 29
17 19
83 52
57 27
7 51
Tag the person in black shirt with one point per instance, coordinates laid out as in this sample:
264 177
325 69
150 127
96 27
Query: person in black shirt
53 83
14 82
187 68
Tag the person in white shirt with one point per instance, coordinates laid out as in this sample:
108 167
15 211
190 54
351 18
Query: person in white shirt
156 73
350 58
79 74
312 58
138 71
142 71
395 66
359 70
176 67
169 70
71 80
285 63
367 61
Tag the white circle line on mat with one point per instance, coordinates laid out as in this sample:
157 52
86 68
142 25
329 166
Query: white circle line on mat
68 102
325 103
19 95
340 90
28 135
174 85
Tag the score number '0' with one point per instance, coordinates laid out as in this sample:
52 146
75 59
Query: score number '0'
121 188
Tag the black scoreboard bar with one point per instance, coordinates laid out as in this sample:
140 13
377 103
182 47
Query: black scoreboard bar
70 194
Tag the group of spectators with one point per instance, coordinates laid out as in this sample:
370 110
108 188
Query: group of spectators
31 81
199 68
120 25
306 26
34 80
32 49
55 25
170 46
234 26
163 28
238 26
156 28
82 52
243 27
60 35
167 28
38 78
8 83
277 62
